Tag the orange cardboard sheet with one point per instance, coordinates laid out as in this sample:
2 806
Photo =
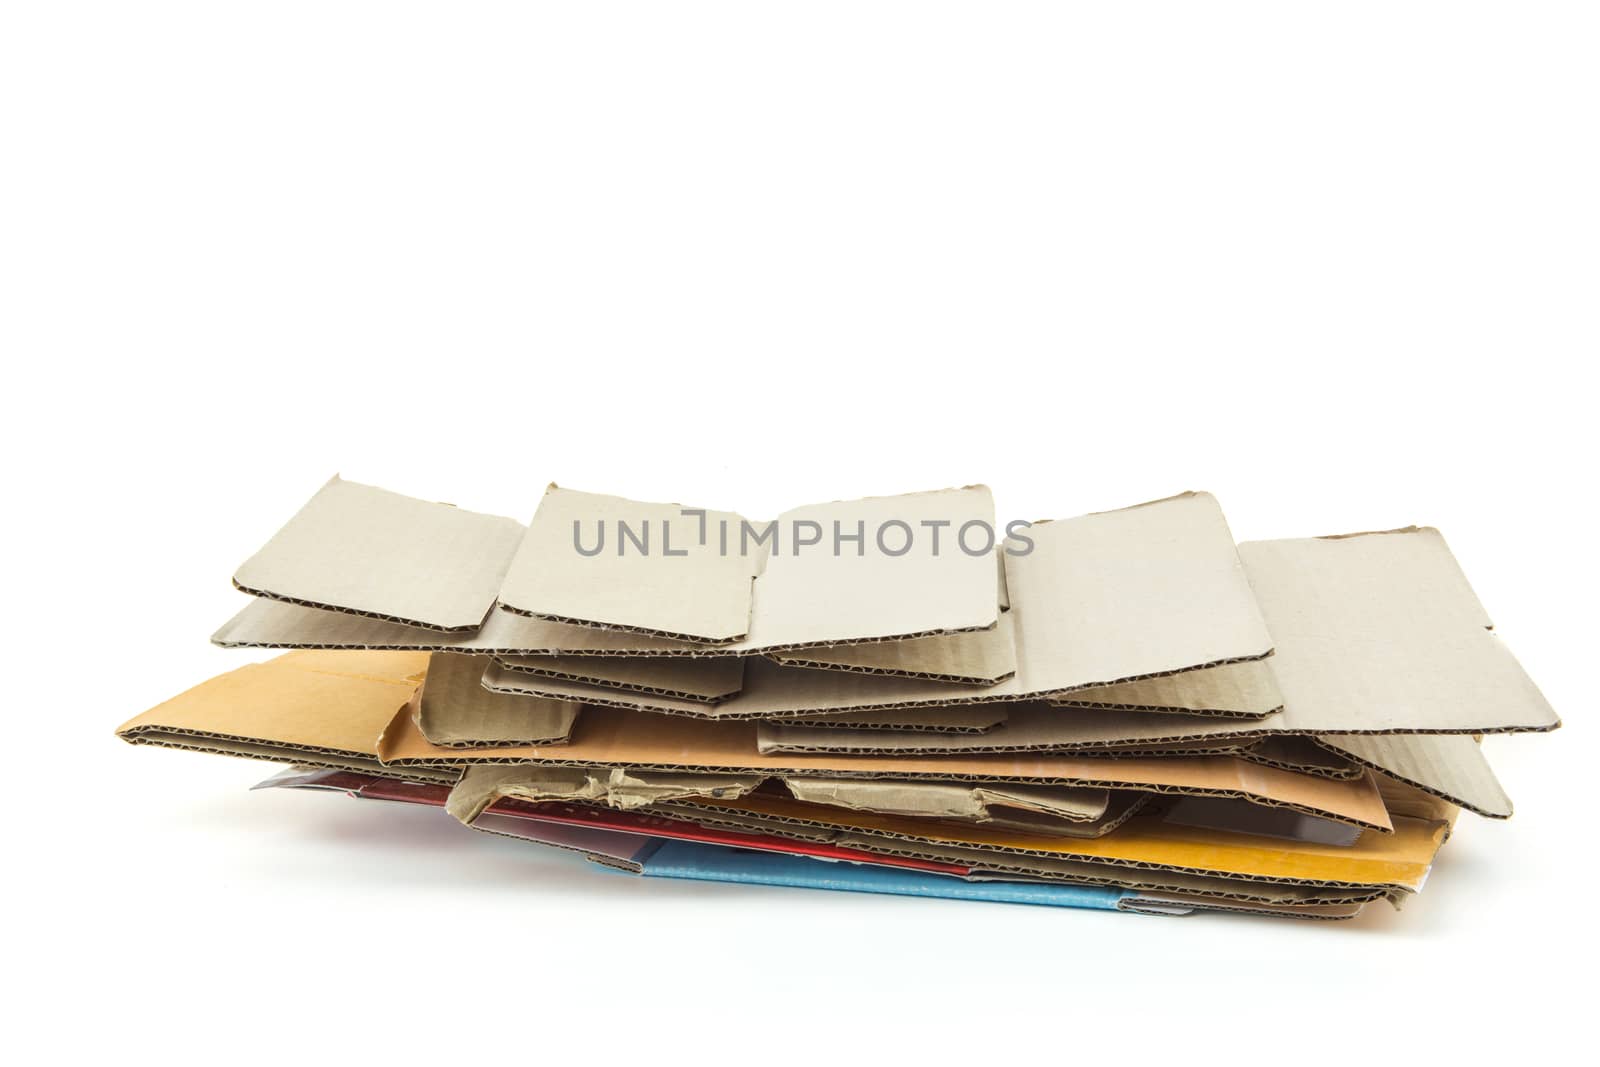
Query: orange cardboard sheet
614 737
323 709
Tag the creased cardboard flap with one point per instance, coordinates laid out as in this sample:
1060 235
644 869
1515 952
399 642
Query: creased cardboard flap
1450 766
455 708
356 548
960 719
1381 633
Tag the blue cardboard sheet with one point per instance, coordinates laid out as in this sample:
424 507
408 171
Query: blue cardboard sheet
717 863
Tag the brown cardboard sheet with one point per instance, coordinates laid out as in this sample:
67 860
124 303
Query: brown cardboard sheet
311 708
1449 766
705 680
356 548
1380 633
1032 727
616 738
800 595
456 710
1399 860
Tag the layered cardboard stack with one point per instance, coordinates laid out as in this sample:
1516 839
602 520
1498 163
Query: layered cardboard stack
1123 710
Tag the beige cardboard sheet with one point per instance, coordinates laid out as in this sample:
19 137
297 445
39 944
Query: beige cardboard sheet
314 708
359 549
615 738
1032 727
980 657
1380 633
456 710
1099 600
1247 690
668 584
1449 766
705 680
740 592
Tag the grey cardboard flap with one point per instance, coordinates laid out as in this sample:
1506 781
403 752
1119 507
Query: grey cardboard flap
706 679
1381 633
455 709
1449 766
651 570
1292 752
355 548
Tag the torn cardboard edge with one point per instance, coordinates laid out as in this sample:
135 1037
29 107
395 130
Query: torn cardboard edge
669 744
962 863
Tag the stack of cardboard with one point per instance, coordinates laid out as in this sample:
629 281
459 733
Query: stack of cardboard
1123 710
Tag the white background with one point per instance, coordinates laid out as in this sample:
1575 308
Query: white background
1334 262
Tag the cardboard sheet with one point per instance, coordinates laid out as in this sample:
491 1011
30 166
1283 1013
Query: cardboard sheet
1449 766
1246 690
456 710
1380 633
706 680
1085 871
1399 860
615 738
670 584
355 548
720 591
1028 728
981 657
311 708
1149 591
